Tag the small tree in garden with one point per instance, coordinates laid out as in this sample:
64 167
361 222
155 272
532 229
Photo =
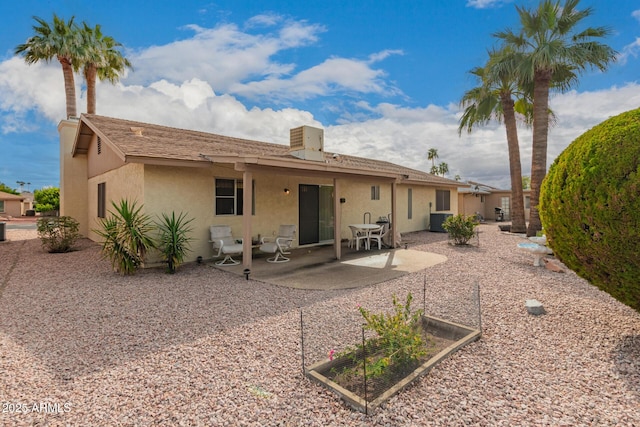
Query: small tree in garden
47 199
173 241
58 234
461 228
126 233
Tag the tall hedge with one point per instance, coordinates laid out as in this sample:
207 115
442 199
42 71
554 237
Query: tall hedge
590 206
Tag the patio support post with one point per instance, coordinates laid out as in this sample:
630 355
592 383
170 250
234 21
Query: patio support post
337 223
394 212
247 197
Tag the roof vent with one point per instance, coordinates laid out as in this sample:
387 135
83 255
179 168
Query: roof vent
137 131
307 143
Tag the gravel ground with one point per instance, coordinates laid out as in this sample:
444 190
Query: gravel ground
80 345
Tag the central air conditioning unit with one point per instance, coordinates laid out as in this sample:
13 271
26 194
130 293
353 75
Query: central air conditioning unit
307 143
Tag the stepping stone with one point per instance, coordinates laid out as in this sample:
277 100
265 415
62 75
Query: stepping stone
534 307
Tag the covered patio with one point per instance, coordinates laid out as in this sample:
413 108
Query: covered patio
316 268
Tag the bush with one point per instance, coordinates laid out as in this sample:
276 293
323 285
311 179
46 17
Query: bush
461 228
173 241
126 234
590 206
58 234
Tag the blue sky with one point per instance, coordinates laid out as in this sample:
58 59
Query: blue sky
383 78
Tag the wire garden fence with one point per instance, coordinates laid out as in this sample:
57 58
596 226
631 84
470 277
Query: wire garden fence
368 354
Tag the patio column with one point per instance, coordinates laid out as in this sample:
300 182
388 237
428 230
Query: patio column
337 223
247 198
394 212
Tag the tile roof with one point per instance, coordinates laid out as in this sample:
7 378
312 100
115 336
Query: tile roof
138 141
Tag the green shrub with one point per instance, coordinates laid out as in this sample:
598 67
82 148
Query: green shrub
590 206
173 241
461 228
126 236
58 234
47 199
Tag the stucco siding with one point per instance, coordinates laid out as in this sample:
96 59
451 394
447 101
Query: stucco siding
126 182
101 158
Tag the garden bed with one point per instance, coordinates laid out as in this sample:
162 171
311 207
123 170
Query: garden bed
344 375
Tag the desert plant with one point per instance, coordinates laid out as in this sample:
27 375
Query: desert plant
173 241
590 206
58 234
126 236
461 228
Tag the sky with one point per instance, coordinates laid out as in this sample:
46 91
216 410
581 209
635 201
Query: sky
382 78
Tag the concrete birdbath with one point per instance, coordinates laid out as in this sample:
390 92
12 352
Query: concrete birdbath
537 250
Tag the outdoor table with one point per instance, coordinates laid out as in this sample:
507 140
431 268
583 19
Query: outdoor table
367 229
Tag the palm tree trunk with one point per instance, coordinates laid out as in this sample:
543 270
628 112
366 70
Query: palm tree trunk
518 224
69 86
90 76
539 146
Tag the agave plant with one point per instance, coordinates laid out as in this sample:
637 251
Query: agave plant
174 242
126 235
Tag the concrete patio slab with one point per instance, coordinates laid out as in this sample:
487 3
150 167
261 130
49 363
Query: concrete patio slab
316 267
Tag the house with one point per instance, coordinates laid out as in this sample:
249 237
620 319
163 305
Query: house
12 205
480 198
249 185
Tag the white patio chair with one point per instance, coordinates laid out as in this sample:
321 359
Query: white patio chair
356 236
224 242
281 245
376 236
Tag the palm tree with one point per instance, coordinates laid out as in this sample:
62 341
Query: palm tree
60 40
100 59
493 100
432 155
550 43
443 168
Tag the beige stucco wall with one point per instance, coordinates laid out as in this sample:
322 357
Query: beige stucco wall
126 182
103 160
73 178
12 208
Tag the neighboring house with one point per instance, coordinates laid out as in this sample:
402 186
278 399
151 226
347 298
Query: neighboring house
11 205
484 199
249 185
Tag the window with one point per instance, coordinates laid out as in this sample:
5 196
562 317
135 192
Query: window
1 205
443 202
505 205
375 192
230 197
527 202
410 203
102 199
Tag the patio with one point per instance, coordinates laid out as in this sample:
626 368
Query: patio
316 267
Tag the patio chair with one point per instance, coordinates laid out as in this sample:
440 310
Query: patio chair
357 235
224 242
376 236
281 245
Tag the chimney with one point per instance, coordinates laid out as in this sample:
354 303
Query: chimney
307 143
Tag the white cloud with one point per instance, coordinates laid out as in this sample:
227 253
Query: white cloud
636 14
331 76
485 4
222 55
630 50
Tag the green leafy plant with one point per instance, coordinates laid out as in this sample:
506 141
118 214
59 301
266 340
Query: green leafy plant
590 206
398 336
173 241
58 234
398 344
461 228
126 236
47 199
